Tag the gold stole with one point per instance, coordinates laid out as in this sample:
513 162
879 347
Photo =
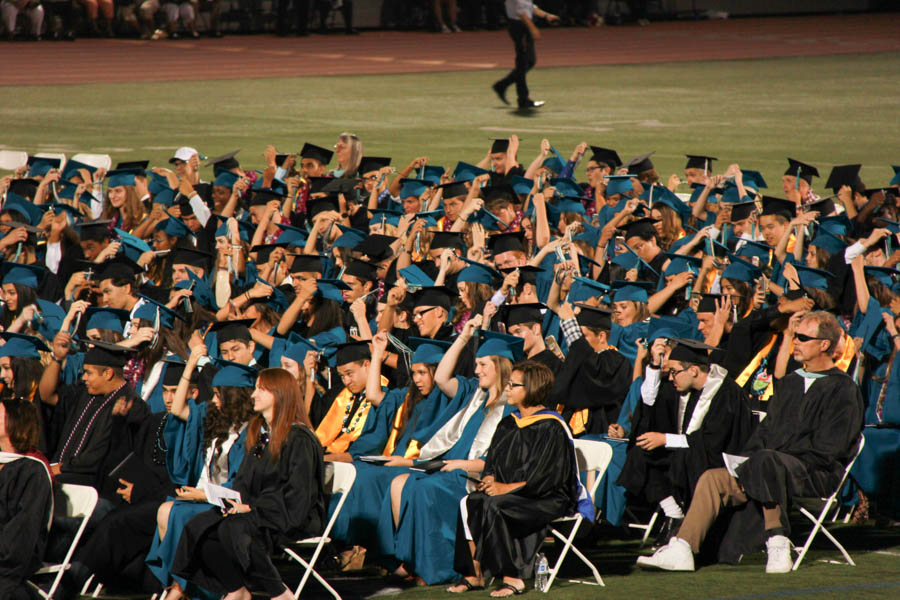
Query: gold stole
412 451
522 422
751 368
579 419
329 431
846 358
790 245
395 429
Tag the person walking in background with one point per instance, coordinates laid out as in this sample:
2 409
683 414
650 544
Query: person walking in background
523 32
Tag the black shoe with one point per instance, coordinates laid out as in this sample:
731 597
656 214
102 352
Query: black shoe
668 530
500 91
531 104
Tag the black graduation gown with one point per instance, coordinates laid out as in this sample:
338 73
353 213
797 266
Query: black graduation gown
25 498
597 381
662 472
288 502
546 357
508 529
799 450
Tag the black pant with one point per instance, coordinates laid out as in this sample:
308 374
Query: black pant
525 60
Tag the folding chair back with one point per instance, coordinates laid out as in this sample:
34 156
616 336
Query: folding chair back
341 477
818 523
593 458
10 160
80 503
100 161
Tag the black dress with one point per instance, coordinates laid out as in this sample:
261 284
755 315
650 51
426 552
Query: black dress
508 529
287 501
25 499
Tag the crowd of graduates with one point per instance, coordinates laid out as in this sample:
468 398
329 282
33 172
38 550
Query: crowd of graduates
175 333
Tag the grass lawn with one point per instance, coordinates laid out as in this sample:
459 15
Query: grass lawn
823 110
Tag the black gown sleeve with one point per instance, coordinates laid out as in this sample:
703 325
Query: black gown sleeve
25 497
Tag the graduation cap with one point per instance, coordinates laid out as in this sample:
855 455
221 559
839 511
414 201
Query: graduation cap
741 270
486 219
104 317
506 242
22 274
752 248
566 186
500 344
233 330
595 317
640 227
66 191
104 354
434 296
813 278
670 328
224 162
429 216
298 349
263 196
147 310
618 184
352 352
225 179
373 163
245 228
527 273
641 163
828 242
41 165
499 145
555 162
330 289
25 188
385 216
570 205
32 212
232 374
119 267
697 190
679 263
887 276
73 167
842 175
350 237
157 183
742 210
427 351
591 235
520 185
466 172
416 277
662 195
132 246
341 185
183 254
691 351
801 170
839 225
585 288
634 291
518 314
698 161
707 303
362 270
730 194
377 247
324 204
477 272
201 290
122 177
455 189
318 153
174 228
605 156
166 197
307 263
779 206
175 370
753 179
447 239
22 346
824 207
125 164
413 187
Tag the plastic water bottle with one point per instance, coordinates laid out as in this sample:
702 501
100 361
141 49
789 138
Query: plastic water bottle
541 572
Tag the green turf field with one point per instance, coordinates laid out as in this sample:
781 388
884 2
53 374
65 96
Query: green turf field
824 110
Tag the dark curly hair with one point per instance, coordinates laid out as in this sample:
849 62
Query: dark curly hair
237 408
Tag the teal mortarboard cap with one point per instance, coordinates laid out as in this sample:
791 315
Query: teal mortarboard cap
226 179
413 187
662 195
149 309
174 227
500 344
415 277
22 346
73 167
156 183
828 242
730 195
889 277
432 174
41 165
570 205
477 272
103 317
813 278
166 197
752 249
486 219
350 237
839 225
753 179
232 374
49 320
895 180
73 213
618 184
567 187
330 289
21 274
427 351
467 172
591 235
520 185
555 162
297 348
32 212
132 246
122 177
386 216
202 292
635 291
584 288
679 263
669 328
741 270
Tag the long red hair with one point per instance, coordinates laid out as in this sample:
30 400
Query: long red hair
288 410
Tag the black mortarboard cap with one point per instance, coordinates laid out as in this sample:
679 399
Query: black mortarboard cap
323 155
527 273
506 242
372 163
592 316
362 269
316 184
607 156
690 351
516 314
499 145
639 227
94 230
24 187
120 267
641 163
779 206
376 247
103 354
228 331
133 164
184 254
263 196
434 296
454 189
323 204
504 191
225 161
340 185
742 210
842 175
352 352
307 263
697 161
447 239
825 207
708 303
802 170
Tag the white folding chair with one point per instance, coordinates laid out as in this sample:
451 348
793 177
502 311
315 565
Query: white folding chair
100 161
818 522
647 528
593 458
343 476
10 160
80 503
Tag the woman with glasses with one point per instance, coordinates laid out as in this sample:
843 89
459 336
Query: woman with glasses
281 483
416 524
529 479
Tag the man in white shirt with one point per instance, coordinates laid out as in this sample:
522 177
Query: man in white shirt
523 32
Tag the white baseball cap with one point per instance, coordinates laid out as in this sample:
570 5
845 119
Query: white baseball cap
184 153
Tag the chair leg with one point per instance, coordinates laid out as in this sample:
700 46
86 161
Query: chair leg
817 524
87 586
567 544
649 528
99 589
310 571
840 547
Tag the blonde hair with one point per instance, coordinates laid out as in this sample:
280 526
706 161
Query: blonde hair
132 210
356 153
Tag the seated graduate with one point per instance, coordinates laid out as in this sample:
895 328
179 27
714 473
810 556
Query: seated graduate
281 482
530 478
800 449
415 525
26 498
524 321
204 444
682 426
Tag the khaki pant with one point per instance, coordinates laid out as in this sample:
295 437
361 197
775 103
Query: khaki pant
717 488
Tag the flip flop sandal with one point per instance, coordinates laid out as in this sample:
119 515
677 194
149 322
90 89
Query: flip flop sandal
469 586
508 586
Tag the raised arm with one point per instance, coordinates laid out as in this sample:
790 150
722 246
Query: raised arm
374 393
444 374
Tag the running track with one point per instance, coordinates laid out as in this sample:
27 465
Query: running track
239 57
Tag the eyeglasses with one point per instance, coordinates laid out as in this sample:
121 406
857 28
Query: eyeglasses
674 372
418 315
591 169
802 337
513 384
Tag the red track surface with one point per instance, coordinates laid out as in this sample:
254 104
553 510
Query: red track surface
239 57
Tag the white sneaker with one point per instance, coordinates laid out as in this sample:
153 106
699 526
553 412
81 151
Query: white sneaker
778 547
674 556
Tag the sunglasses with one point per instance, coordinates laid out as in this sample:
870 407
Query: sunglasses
802 337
